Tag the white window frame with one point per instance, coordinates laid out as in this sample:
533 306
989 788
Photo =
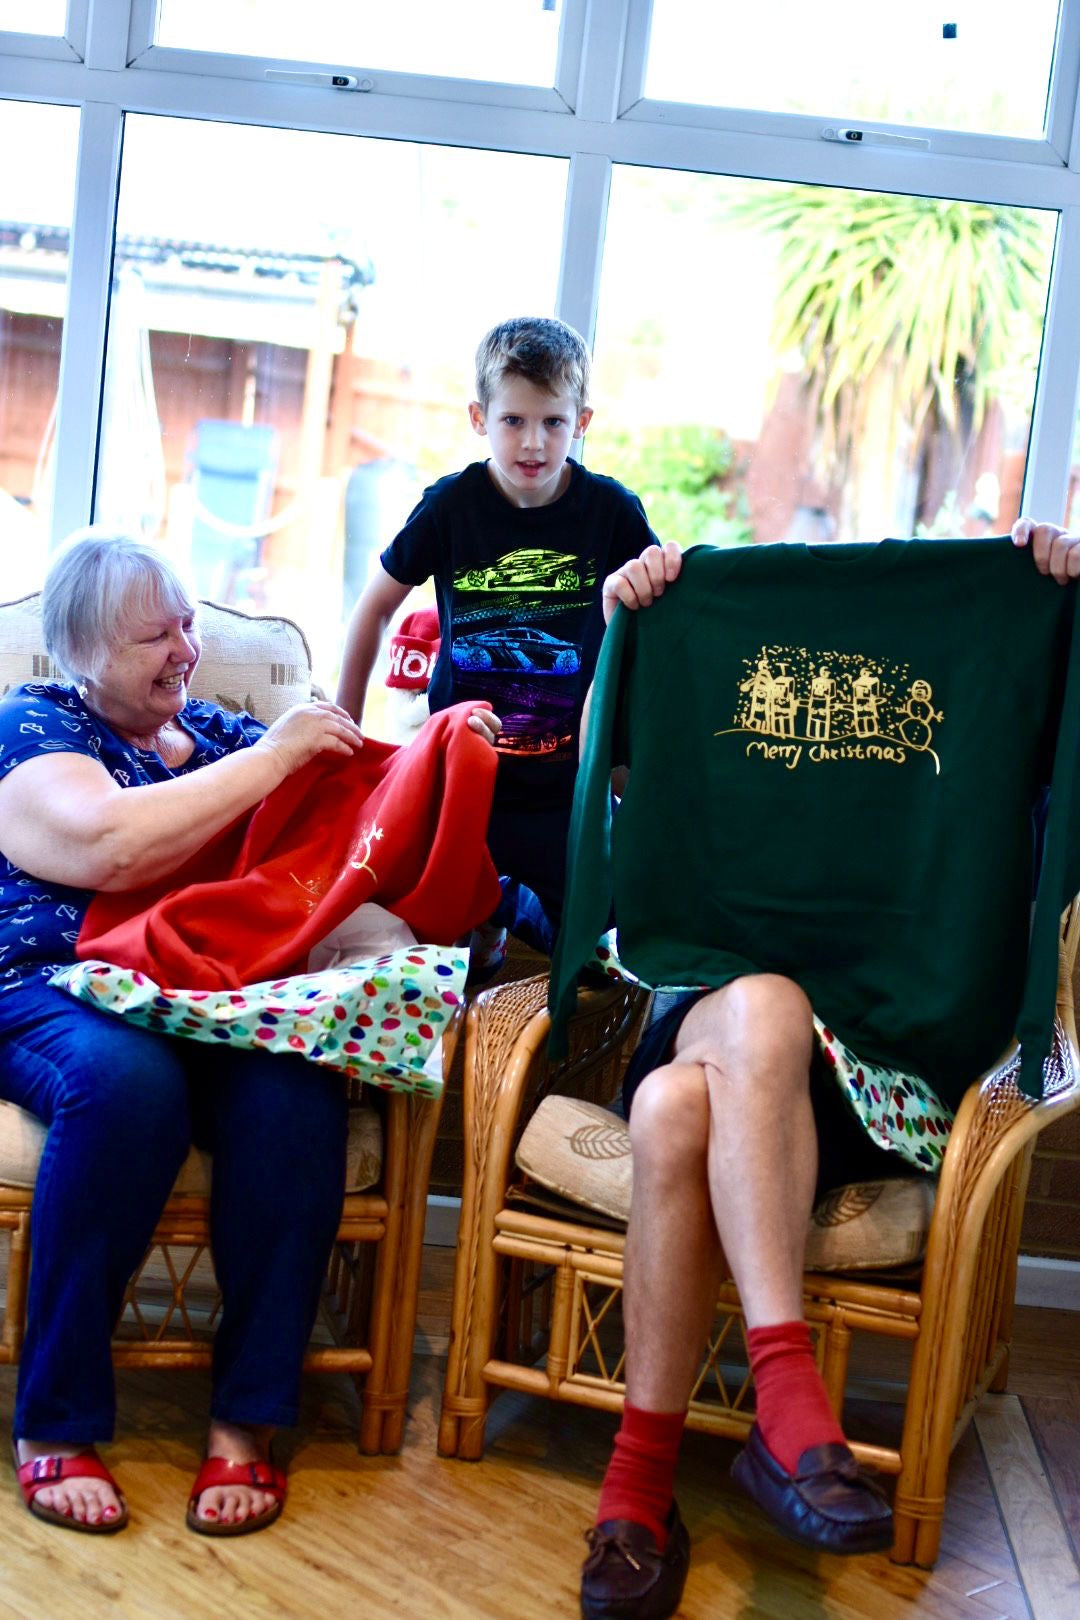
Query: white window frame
592 119
1053 149
143 54
68 47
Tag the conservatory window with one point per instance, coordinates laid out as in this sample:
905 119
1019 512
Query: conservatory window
290 349
981 66
511 41
806 362
36 202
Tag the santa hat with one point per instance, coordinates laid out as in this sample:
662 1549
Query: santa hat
413 650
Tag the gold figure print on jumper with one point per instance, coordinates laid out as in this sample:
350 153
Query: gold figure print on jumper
823 706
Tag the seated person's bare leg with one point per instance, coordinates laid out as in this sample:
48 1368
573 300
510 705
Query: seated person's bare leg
672 1265
753 1039
671 1272
725 1154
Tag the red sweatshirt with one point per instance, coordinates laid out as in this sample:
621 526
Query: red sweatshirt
403 826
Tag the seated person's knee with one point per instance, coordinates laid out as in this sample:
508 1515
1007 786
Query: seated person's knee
768 1000
759 1027
669 1120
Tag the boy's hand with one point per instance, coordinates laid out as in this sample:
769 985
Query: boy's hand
639 582
1055 551
485 724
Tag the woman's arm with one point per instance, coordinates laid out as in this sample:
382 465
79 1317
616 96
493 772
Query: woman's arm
64 819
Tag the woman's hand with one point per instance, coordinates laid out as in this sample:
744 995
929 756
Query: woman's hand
485 724
639 582
308 729
1053 550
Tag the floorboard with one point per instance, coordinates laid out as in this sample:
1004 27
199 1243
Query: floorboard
426 1538
1037 1534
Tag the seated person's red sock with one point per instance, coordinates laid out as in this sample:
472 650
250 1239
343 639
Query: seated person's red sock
640 1479
793 1411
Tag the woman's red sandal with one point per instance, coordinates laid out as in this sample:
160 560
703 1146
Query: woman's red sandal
260 1476
40 1472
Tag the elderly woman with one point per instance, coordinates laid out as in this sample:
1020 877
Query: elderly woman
107 781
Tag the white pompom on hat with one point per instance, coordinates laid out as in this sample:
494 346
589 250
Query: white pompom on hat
414 648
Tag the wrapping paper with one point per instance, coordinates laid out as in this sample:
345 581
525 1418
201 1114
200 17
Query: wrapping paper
379 1021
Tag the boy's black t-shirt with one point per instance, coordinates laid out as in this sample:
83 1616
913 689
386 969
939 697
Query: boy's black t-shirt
518 590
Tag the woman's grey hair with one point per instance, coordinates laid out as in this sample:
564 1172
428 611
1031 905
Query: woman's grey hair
93 585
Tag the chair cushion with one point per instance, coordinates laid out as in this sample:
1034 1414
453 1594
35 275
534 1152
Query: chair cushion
22 1136
258 663
581 1152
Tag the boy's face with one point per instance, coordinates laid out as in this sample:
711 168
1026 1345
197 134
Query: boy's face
531 432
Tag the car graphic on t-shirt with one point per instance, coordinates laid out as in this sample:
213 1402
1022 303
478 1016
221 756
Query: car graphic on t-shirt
519 735
520 648
532 570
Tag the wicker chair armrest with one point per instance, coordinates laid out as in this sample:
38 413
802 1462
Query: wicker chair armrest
994 1126
996 1120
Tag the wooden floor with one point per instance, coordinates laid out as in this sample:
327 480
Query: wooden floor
425 1538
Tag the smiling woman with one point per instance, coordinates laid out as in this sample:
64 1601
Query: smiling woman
128 642
109 780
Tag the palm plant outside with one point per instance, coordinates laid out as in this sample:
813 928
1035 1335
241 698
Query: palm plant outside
911 316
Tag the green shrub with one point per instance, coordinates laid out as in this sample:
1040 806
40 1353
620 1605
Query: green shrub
685 476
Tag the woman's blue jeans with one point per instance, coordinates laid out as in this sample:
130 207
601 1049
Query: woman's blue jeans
122 1106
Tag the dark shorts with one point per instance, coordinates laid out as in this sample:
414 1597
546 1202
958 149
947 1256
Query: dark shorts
845 1152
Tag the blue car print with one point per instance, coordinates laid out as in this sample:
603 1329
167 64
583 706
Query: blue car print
519 649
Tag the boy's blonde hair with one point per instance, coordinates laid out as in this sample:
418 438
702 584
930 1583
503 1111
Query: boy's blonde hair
547 353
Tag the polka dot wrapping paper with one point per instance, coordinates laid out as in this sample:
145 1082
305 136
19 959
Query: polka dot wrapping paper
378 1021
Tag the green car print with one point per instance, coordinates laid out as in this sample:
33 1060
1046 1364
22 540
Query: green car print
527 570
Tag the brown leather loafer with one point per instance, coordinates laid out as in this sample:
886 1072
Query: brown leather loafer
626 1577
828 1503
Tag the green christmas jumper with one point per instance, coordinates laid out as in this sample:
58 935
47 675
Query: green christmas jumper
836 757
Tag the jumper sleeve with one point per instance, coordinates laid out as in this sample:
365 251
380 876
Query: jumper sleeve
589 879
1059 878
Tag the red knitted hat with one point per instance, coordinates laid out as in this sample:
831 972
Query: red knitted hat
413 650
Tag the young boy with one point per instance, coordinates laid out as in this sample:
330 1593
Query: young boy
519 547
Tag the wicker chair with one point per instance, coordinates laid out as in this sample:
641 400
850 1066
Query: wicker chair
369 1320
536 1295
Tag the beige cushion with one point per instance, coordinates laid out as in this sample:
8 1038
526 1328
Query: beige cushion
260 664
871 1225
581 1152
253 662
22 1136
